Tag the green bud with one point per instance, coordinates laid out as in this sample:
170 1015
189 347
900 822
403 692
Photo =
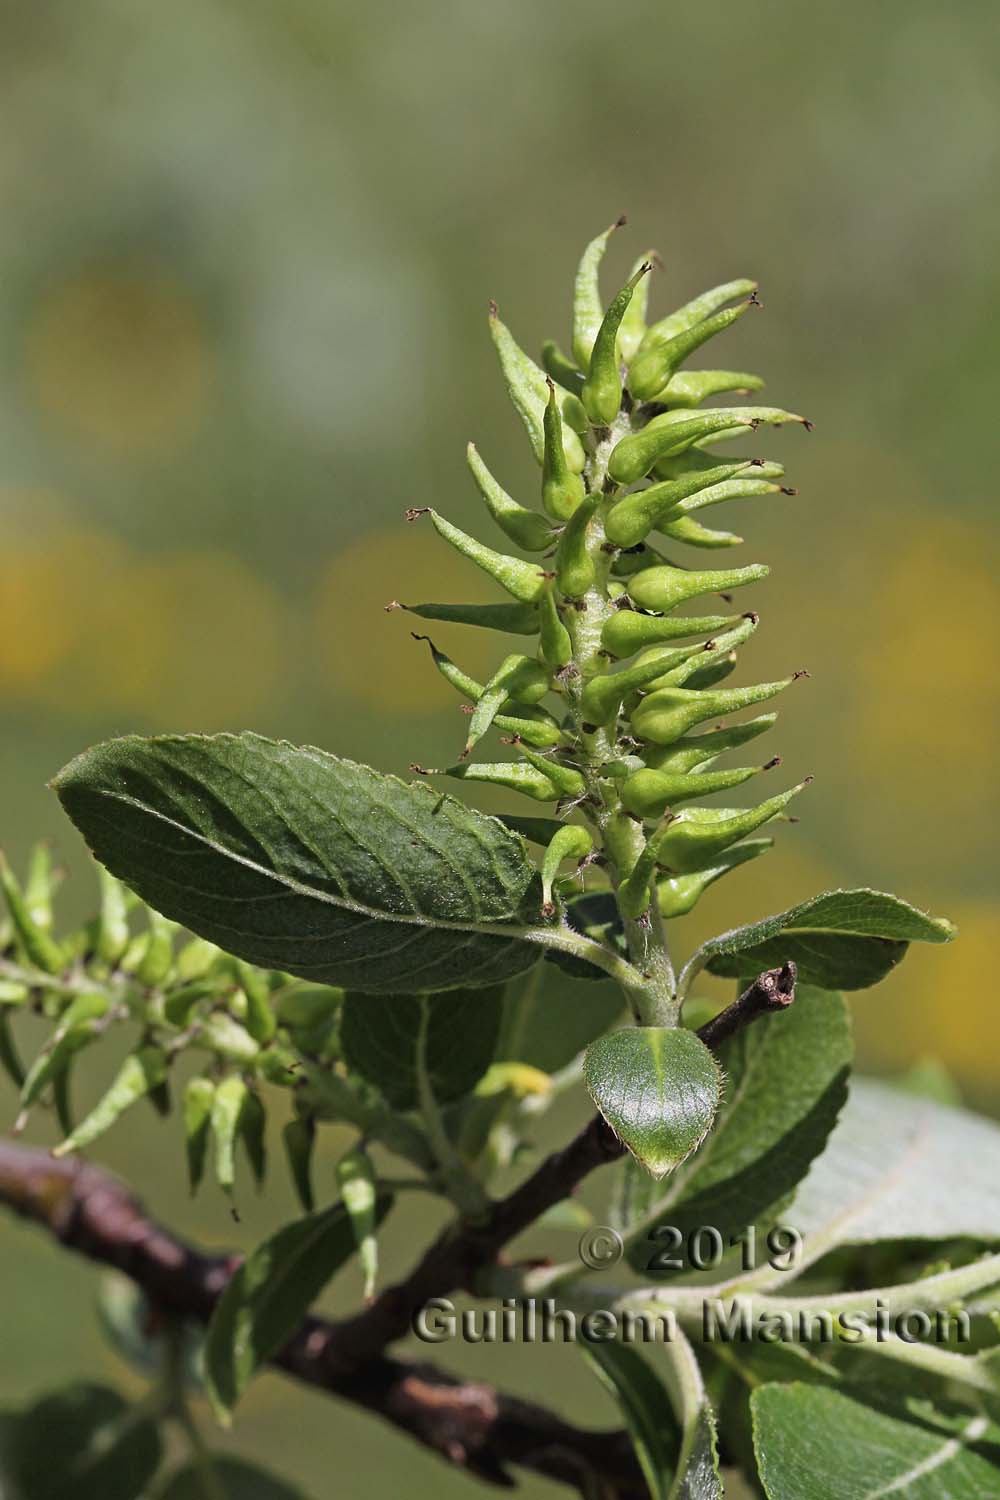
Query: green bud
678 894
561 369
603 696
138 1075
38 947
554 639
567 781
574 566
654 364
648 794
199 1097
511 619
299 1138
697 750
695 838
519 679
687 529
522 580
356 1180
633 324
526 528
588 312
627 631
570 842
665 715
635 516
676 431
515 776
527 388
664 588
695 311
602 389
562 490
692 387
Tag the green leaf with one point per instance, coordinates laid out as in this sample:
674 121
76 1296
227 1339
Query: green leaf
234 1480
898 1167
697 1475
270 1294
786 1083
378 1038
296 860
645 1408
817 1444
552 1024
658 1088
841 940
82 1440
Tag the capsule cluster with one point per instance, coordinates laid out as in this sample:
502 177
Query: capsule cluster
606 705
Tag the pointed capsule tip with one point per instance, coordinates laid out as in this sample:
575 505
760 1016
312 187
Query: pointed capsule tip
420 770
493 309
771 764
393 604
620 222
416 511
802 672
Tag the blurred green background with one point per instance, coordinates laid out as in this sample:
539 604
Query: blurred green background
246 255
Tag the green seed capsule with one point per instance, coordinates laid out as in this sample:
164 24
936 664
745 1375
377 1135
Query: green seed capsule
261 1022
575 569
40 886
199 1096
554 639
298 1007
687 529
526 528
676 431
692 387
700 667
633 324
522 580
180 1004
588 313
636 515
624 842
627 631
253 1134
679 465
649 793
718 669
511 619
528 391
226 1037
39 948
698 750
299 1138
356 1180
138 1075
678 894
199 958
667 714
634 560
534 726
227 1113
562 490
653 366
77 1026
516 777
112 922
602 389
519 679
61 1100
635 891
695 311
603 696
566 779
561 368
664 588
158 953
570 842
698 835
748 486
10 1059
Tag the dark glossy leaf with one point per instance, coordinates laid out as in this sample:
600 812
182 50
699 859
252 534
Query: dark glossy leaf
841 940
817 1444
81 1440
786 1082
299 861
235 1480
645 1408
379 1036
269 1296
658 1088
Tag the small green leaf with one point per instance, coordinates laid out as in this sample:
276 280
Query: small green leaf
658 1088
233 1480
379 1034
270 1294
817 1444
844 940
298 861
645 1407
82 1440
